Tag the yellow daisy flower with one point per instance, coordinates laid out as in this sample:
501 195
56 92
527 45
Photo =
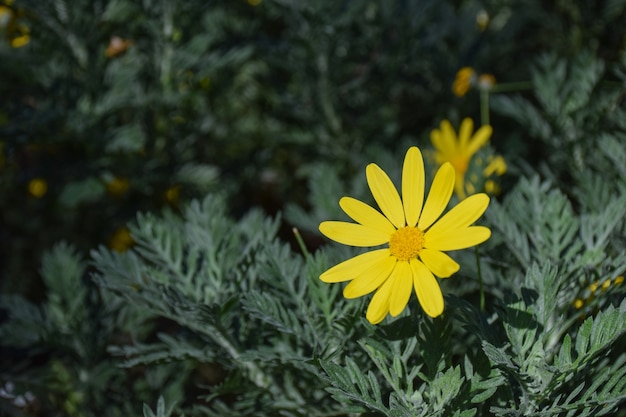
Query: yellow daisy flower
463 81
458 151
416 239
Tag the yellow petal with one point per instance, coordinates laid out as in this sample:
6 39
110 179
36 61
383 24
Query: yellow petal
356 266
413 185
439 263
366 215
379 305
481 137
438 197
403 284
353 234
371 278
427 289
449 135
462 215
457 239
385 194
443 140
465 132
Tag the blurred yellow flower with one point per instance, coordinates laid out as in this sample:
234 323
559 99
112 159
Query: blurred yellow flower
121 240
117 186
618 280
17 34
117 46
578 303
37 187
415 232
606 284
495 166
482 20
172 194
486 81
21 40
492 187
458 151
5 16
463 81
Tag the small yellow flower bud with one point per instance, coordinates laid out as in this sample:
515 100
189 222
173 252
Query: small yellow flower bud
37 187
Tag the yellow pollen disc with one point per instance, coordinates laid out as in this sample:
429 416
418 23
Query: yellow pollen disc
406 243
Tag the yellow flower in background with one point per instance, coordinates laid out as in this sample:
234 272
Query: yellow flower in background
486 81
463 81
495 166
118 186
172 195
415 234
482 20
458 151
22 38
17 33
5 16
37 187
117 46
121 240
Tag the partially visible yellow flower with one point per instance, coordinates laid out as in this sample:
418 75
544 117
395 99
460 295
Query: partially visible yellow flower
117 186
416 234
579 303
482 20
593 287
117 46
606 284
17 33
172 195
121 240
5 16
618 280
492 187
495 166
37 187
486 81
458 151
463 81
22 39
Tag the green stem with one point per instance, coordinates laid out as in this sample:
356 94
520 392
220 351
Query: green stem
516 86
300 241
480 281
484 107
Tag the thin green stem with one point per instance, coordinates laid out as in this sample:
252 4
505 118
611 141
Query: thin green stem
300 241
480 281
484 107
516 86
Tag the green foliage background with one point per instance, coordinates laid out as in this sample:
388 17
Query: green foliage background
228 123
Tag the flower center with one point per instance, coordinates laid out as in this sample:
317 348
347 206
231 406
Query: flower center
460 164
406 243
